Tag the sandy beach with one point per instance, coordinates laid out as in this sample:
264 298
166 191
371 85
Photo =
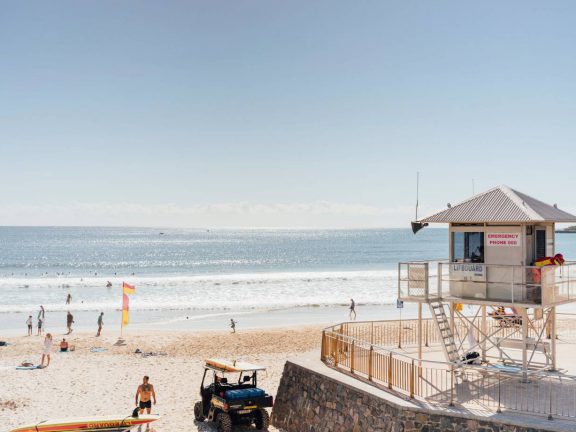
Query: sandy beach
85 383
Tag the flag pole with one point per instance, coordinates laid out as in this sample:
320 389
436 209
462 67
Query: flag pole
122 311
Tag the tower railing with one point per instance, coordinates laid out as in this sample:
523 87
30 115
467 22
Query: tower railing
423 281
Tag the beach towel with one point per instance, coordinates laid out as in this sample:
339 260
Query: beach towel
29 367
98 349
152 354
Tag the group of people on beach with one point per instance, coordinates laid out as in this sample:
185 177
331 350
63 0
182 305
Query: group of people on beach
40 321
48 339
47 349
69 321
145 393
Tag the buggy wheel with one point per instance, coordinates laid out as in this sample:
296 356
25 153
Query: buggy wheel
199 411
223 422
262 419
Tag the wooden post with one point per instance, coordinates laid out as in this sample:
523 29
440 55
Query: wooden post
499 410
524 313
451 385
337 355
352 358
390 371
452 327
550 398
484 332
552 320
400 330
370 360
323 349
420 331
372 333
412 372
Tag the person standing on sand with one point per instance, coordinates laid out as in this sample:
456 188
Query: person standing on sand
47 350
233 325
145 392
352 309
68 298
40 322
29 324
100 323
69 322
42 314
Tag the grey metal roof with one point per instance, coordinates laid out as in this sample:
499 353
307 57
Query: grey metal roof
501 204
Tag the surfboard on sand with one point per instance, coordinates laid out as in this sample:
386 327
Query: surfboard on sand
108 424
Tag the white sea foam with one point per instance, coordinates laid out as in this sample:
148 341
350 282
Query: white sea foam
202 292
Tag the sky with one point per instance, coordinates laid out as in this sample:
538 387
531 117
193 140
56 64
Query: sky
280 113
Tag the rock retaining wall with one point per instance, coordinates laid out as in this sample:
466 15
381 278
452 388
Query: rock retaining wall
308 401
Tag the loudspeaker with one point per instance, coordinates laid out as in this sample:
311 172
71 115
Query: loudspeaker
417 226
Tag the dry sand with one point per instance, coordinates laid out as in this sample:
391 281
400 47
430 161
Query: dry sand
83 383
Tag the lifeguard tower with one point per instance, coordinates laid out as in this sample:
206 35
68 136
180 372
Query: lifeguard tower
495 295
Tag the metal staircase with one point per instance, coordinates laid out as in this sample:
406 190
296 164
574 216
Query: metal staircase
448 343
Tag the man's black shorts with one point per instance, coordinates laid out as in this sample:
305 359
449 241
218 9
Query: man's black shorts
147 404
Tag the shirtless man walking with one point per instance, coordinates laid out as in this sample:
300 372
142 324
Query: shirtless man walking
146 393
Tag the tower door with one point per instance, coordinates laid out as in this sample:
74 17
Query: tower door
540 243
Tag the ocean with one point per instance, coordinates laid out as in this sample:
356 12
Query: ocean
183 274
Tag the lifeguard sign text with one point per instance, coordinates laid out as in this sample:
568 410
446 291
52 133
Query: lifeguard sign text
503 239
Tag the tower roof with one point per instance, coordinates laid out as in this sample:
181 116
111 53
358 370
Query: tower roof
501 204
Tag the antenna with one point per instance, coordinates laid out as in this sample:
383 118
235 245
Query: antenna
417 191
417 226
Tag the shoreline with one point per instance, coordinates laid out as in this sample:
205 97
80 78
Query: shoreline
13 323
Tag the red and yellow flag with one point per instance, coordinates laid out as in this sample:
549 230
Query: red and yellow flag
125 309
126 290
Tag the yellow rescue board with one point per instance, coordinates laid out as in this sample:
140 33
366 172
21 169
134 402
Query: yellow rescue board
232 366
110 423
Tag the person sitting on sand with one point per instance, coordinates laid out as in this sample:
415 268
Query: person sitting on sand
29 324
47 350
63 346
69 322
145 392
233 325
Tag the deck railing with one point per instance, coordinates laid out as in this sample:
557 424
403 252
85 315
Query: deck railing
347 347
403 333
500 284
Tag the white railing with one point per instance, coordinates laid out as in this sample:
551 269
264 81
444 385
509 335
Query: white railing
500 284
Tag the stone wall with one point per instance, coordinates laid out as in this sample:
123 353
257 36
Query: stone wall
309 401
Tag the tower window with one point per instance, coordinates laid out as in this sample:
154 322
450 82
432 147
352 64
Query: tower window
468 247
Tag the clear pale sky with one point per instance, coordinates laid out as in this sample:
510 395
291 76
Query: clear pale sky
280 113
